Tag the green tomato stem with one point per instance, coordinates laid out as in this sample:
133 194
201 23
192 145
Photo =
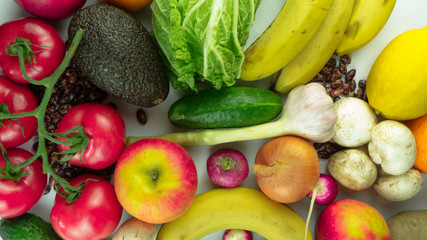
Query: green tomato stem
71 193
10 172
24 45
16 115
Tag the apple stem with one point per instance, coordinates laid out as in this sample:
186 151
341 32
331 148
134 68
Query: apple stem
154 175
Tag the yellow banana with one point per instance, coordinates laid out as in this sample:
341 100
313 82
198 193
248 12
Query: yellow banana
367 20
235 208
291 30
316 54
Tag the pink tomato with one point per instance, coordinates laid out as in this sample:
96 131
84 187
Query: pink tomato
94 215
106 131
46 43
16 198
18 98
51 9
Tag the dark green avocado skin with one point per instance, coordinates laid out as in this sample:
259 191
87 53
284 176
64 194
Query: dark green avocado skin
119 55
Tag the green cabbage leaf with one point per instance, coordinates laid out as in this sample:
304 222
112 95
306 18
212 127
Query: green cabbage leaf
202 40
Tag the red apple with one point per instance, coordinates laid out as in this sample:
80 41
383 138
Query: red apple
155 180
351 219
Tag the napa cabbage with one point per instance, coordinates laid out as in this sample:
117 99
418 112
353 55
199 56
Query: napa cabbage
202 40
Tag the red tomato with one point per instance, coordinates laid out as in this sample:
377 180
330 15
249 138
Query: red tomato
39 33
51 9
94 215
18 98
16 198
105 128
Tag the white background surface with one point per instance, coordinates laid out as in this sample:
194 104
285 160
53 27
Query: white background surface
407 14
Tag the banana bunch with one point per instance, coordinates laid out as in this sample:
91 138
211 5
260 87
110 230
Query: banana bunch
367 20
294 59
291 30
235 208
316 54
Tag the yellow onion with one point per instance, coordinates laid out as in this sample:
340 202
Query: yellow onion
286 168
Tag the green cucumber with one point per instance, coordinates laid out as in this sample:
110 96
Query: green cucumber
27 227
229 107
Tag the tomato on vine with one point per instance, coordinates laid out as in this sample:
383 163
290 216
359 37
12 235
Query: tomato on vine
43 47
17 197
21 52
102 139
94 215
16 98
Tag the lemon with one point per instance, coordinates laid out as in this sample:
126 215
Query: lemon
397 82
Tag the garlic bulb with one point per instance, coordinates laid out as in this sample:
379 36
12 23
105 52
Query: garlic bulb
310 113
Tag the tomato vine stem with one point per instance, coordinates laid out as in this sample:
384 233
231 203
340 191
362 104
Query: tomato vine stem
70 193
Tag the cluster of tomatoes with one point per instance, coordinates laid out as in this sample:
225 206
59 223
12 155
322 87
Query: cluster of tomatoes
96 212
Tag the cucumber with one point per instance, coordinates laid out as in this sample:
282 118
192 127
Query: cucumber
27 227
229 107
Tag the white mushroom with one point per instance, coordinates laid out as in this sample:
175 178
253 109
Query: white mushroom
353 169
399 187
356 119
393 147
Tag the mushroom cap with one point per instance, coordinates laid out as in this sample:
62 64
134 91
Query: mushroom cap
355 122
393 147
353 169
399 187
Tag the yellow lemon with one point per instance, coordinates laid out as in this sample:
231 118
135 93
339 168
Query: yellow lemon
397 82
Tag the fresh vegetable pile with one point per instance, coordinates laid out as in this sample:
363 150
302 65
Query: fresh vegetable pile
307 149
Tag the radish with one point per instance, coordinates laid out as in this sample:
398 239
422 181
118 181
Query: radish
237 234
324 192
227 167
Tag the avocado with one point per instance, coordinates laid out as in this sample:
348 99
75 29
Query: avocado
27 227
118 55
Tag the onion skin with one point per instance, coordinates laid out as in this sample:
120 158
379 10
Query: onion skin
286 168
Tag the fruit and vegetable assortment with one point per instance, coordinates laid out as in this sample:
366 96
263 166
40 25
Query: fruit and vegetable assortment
319 134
